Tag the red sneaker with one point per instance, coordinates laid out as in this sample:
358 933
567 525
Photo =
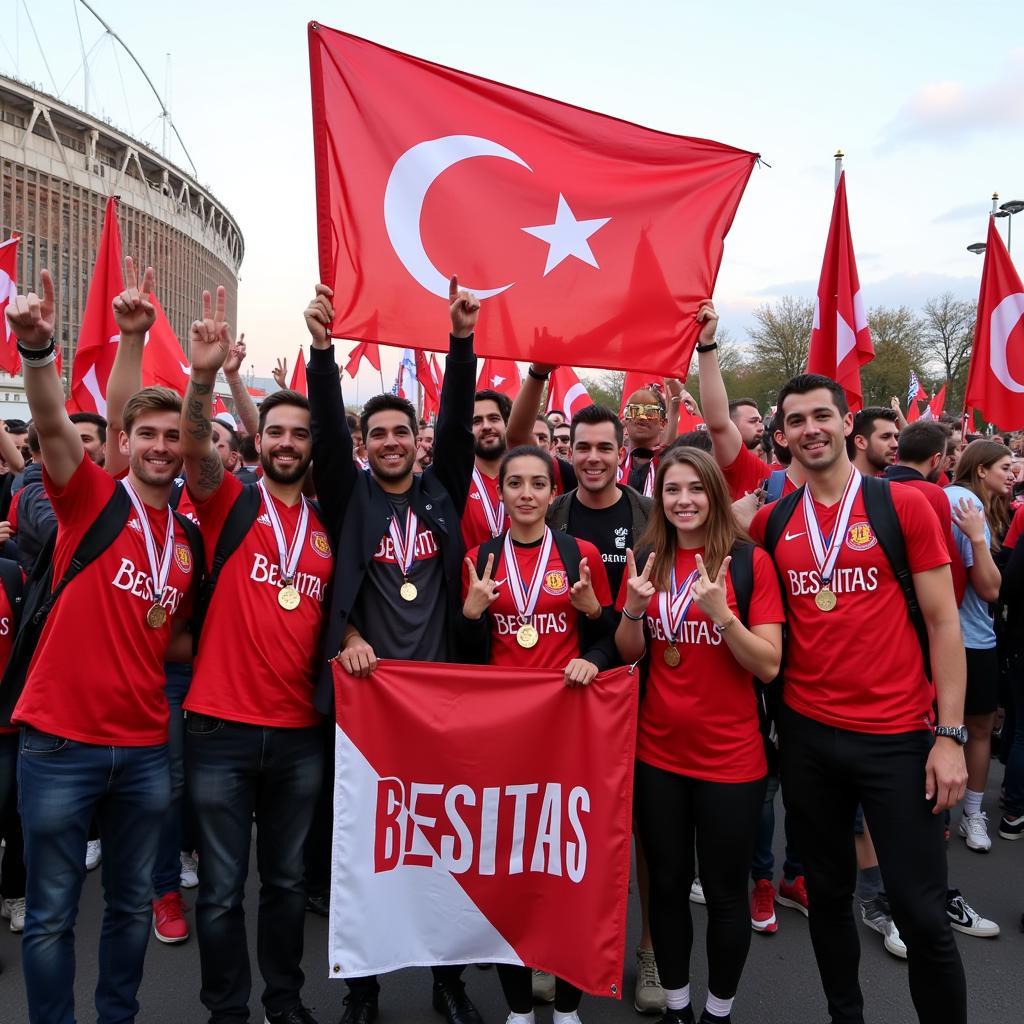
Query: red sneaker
762 907
169 918
793 894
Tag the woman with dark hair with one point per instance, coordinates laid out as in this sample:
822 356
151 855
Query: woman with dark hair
979 498
703 607
535 599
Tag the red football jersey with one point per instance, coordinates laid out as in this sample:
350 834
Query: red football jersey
475 530
700 718
859 666
6 641
1015 530
256 659
98 673
554 617
747 472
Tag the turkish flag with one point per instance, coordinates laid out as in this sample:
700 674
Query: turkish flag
10 361
499 375
566 392
163 361
938 404
840 338
364 350
431 399
423 172
298 381
995 383
456 842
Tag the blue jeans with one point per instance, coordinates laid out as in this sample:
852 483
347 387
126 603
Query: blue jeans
167 873
61 785
12 868
237 772
763 863
1014 778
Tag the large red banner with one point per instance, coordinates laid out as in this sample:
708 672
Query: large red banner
590 240
482 815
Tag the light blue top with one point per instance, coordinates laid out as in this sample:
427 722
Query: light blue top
975 620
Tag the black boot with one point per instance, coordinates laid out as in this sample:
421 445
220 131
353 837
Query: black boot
450 999
684 1016
359 1009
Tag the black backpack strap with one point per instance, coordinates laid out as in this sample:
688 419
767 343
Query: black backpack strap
177 489
779 518
488 548
881 512
14 588
741 572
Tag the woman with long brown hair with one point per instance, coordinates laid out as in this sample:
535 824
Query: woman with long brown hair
702 606
979 499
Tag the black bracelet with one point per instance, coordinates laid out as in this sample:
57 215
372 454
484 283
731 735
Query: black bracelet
633 618
538 376
37 354
708 348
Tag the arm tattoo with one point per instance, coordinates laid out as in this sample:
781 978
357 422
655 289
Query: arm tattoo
211 472
198 424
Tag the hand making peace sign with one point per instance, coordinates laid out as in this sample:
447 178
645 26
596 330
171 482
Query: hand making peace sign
639 588
710 594
210 339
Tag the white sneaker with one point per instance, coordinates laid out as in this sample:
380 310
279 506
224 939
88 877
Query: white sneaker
14 911
543 986
571 1018
648 996
974 829
893 943
93 854
521 1018
697 892
964 918
189 871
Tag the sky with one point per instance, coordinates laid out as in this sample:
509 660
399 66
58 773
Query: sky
926 99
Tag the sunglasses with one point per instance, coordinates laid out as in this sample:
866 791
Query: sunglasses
643 412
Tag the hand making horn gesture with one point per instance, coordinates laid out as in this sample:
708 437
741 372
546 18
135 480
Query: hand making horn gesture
483 591
134 312
236 356
710 594
639 588
464 307
210 339
582 594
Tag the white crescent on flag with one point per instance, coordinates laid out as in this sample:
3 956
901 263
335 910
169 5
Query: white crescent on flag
1005 318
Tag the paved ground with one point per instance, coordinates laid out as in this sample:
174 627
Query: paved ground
780 985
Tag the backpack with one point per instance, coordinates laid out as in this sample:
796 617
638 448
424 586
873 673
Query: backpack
39 594
882 516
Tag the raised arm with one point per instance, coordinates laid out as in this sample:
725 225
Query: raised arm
209 341
526 406
9 451
135 314
714 399
673 399
894 404
245 407
32 322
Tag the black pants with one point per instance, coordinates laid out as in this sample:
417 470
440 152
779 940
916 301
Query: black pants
672 811
368 987
826 772
517 984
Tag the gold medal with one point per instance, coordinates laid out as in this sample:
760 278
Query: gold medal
156 616
289 598
408 591
672 656
527 636
825 599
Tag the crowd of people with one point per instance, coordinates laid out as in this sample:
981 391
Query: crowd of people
735 564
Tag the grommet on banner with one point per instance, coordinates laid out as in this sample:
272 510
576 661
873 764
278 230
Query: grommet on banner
336 969
615 990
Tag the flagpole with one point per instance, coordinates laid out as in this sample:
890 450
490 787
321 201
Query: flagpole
383 390
839 167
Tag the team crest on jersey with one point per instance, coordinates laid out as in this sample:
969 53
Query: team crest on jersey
183 557
320 544
860 537
555 582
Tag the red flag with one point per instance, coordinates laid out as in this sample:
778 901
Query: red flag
566 392
424 374
431 403
938 404
163 361
298 381
840 338
995 383
94 354
499 375
552 220
452 818
219 408
10 361
364 350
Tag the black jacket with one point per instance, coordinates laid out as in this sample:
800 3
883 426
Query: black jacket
356 511
36 518
639 507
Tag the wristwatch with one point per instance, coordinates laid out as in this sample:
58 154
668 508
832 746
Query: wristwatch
954 732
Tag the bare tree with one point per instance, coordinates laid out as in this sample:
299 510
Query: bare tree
782 336
947 333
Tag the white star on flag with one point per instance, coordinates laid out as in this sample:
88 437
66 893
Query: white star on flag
567 236
497 381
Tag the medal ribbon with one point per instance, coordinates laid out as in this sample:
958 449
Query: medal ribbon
405 545
626 471
495 516
287 556
526 600
826 551
673 605
159 562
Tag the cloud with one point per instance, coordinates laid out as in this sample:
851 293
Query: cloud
942 111
968 211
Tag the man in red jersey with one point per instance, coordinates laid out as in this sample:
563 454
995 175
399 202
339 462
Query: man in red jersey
856 721
484 514
254 746
95 727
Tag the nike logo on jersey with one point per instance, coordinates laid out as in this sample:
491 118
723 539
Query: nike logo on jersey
793 536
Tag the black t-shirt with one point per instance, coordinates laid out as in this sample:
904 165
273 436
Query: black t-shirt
395 628
610 530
